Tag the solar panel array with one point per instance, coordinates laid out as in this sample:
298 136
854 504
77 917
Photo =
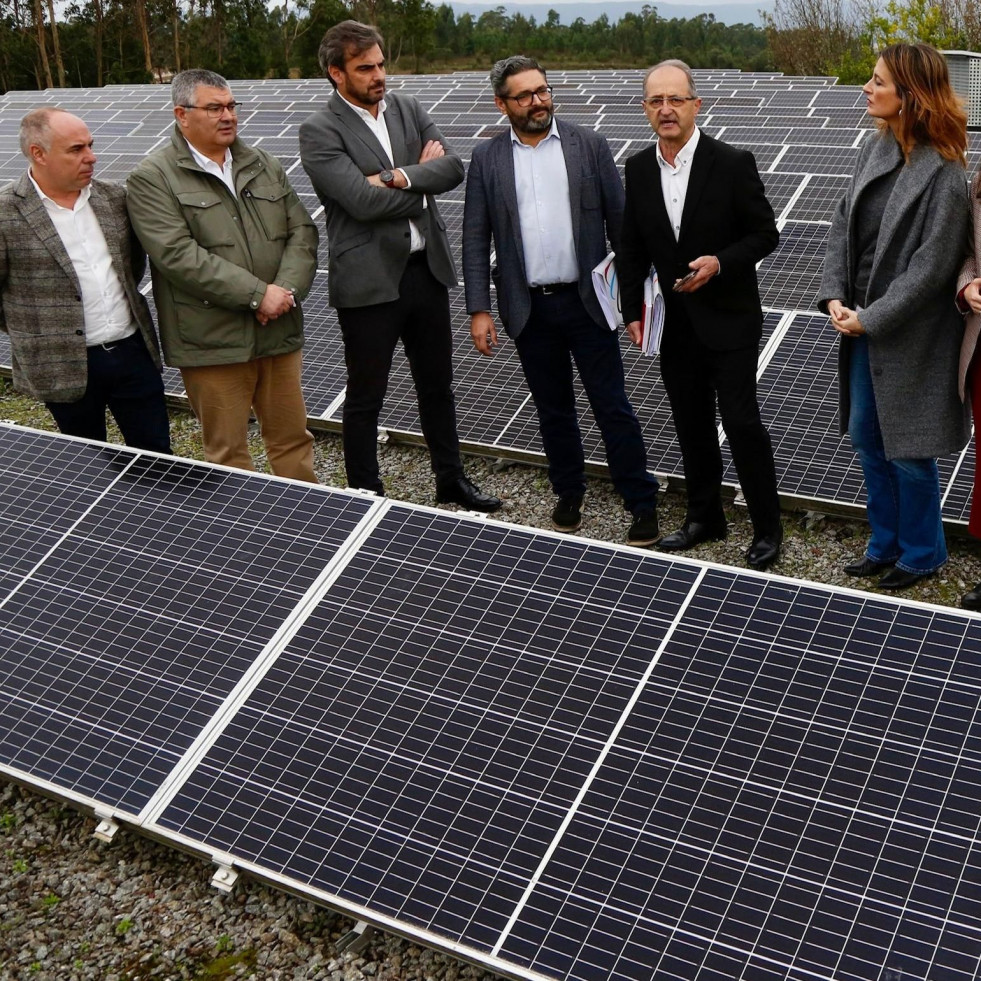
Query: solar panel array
553 757
805 133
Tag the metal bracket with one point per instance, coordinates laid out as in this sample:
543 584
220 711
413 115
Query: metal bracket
739 499
224 879
357 938
813 519
383 436
107 827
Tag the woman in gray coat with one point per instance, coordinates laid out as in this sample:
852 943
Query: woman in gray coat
888 280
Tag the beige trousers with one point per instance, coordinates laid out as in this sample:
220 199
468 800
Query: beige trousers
223 397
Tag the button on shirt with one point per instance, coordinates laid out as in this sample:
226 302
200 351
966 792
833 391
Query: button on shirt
105 309
223 173
544 212
379 128
674 180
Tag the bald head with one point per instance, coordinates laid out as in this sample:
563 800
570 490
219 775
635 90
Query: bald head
59 148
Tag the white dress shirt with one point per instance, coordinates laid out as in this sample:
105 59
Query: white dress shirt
105 309
223 173
674 180
544 212
379 128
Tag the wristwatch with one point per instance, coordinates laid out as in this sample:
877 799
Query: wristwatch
387 177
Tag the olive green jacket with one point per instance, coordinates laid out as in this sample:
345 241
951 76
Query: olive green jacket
212 255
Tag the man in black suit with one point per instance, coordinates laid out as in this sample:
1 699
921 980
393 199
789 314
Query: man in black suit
376 160
697 210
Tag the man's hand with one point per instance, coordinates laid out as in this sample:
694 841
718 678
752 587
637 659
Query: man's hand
704 268
972 295
433 150
275 302
844 319
483 333
636 331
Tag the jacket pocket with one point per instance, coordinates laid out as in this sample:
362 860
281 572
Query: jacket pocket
266 201
590 197
207 218
346 244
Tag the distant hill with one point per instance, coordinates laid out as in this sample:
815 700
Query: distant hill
725 13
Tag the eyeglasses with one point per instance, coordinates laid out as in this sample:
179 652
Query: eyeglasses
675 101
214 111
525 99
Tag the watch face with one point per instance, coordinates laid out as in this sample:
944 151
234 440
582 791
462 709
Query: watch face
386 177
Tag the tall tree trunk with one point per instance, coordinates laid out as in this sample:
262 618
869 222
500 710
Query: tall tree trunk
177 36
98 34
57 47
42 45
141 19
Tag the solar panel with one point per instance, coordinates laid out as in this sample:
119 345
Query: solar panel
145 611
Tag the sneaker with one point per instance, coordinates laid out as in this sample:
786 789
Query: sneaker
644 530
567 515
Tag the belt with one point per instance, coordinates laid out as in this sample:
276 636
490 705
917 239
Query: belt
112 345
549 288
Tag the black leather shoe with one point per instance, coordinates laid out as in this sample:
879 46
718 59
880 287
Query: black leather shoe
901 579
972 600
866 567
644 530
690 534
567 514
461 491
765 550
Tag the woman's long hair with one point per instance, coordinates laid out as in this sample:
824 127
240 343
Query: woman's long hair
932 112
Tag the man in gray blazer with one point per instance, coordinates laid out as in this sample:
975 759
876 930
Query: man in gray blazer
375 161
81 336
549 194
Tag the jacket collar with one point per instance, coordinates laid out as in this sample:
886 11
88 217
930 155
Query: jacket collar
913 180
34 213
243 155
357 127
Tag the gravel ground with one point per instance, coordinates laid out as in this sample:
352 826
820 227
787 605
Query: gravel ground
74 908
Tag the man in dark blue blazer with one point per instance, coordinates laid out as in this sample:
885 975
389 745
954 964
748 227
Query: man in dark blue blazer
696 209
549 194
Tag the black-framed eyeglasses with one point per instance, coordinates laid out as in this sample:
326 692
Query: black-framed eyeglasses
675 101
525 99
215 110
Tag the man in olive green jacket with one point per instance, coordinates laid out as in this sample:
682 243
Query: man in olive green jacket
232 252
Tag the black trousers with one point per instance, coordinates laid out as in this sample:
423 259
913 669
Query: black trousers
695 377
420 318
123 378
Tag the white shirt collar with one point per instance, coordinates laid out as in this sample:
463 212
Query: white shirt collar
684 155
362 112
83 195
203 161
553 130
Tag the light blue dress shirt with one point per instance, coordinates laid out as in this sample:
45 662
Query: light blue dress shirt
544 212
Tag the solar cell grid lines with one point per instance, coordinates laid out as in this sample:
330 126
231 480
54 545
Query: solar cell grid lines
148 608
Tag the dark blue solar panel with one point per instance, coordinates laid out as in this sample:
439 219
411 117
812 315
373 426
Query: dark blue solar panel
419 742
123 643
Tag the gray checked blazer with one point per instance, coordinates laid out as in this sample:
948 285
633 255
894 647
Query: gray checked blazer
367 227
40 298
596 198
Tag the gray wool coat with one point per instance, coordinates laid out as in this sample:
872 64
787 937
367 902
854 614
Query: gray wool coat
913 327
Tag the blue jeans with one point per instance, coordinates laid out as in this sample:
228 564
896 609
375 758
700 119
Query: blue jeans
559 332
903 495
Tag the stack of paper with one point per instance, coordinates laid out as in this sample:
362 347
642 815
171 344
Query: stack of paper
607 287
653 316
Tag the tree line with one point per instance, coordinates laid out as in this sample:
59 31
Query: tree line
99 42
